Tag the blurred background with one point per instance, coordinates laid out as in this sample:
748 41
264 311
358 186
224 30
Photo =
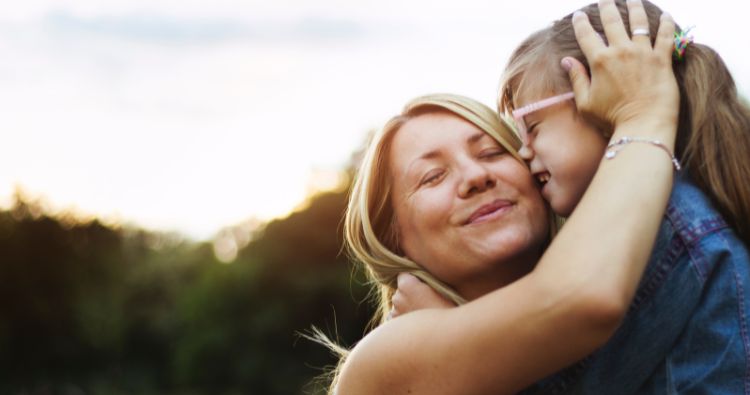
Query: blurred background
174 173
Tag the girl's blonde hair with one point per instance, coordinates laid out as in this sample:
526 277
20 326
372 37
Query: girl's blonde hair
369 226
713 138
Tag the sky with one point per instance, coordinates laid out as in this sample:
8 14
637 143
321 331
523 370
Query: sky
190 116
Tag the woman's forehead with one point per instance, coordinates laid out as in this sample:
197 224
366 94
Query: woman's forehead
430 129
428 135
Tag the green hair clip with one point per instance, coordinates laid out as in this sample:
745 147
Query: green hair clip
681 41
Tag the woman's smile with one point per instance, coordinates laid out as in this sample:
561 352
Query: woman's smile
489 211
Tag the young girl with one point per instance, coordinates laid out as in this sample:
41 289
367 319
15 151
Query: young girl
687 329
688 326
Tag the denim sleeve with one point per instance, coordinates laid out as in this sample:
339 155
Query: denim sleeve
669 295
687 329
711 354
666 298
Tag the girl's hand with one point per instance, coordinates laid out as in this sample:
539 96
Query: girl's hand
412 295
631 81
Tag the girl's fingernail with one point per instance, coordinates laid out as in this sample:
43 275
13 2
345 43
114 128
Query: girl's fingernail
578 14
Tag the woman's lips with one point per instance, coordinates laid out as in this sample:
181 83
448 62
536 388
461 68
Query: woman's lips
488 211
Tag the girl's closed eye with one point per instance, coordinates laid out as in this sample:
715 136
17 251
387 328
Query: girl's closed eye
532 127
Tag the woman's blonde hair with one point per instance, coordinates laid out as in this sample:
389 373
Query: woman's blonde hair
369 226
713 137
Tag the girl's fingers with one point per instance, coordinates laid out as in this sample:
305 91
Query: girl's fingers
404 280
639 28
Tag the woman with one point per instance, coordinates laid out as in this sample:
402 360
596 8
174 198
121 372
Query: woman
570 303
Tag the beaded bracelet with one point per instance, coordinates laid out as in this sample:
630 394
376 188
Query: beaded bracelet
614 147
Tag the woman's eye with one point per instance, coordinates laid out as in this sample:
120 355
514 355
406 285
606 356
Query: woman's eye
491 152
431 177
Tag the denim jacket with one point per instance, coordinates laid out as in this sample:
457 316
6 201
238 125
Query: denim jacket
686 331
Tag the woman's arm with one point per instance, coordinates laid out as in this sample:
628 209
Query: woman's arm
574 300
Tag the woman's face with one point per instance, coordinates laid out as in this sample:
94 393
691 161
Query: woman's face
563 152
465 208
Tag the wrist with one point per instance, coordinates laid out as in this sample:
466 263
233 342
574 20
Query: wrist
649 127
616 145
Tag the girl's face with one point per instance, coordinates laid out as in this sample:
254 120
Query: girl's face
465 209
563 152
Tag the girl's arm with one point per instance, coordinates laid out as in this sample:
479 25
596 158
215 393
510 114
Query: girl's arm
575 298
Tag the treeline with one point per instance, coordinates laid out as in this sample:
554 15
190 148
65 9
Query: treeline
87 308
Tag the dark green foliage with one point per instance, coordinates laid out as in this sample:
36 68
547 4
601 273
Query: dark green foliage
90 309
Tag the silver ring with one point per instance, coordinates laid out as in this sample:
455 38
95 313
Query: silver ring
641 32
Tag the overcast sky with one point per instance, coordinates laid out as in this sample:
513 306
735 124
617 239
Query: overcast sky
190 116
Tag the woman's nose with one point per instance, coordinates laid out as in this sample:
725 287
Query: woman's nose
477 179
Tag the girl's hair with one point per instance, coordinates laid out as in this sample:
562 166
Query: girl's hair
713 138
370 230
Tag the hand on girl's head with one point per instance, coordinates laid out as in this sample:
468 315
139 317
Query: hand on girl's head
630 79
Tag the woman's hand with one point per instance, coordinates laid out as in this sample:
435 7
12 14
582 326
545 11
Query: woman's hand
631 81
412 295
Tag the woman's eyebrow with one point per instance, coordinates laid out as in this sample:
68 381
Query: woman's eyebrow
476 137
426 156
473 139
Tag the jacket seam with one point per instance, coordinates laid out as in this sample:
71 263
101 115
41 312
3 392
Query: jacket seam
743 328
